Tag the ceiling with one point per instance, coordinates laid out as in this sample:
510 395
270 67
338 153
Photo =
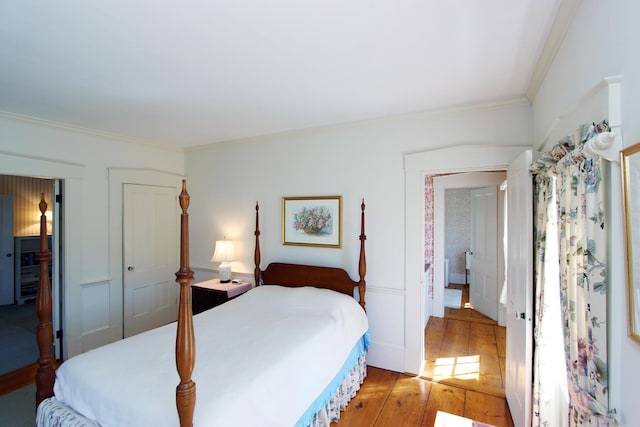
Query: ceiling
184 74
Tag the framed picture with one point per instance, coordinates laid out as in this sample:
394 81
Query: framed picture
312 221
630 162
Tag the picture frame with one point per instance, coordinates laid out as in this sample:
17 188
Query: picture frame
630 167
312 221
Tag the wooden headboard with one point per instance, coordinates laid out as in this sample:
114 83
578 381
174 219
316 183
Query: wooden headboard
296 275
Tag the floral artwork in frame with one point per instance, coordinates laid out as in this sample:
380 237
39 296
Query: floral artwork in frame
312 221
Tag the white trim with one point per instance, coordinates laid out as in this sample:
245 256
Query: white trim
117 178
71 265
29 165
389 291
422 114
87 131
440 184
602 101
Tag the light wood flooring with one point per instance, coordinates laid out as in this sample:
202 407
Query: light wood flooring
464 375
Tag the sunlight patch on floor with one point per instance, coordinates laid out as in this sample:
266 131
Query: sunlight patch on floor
462 368
445 419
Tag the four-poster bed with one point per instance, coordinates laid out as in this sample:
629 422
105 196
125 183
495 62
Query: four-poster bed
291 353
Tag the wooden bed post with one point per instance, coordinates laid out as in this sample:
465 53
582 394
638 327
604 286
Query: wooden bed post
362 264
256 251
185 338
46 373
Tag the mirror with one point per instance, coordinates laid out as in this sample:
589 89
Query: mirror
630 165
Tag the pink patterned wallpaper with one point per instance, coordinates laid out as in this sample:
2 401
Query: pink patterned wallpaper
428 233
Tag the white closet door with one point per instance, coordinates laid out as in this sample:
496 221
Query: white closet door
150 252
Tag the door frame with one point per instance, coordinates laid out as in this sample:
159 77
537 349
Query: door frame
57 273
8 235
117 178
72 175
469 180
455 159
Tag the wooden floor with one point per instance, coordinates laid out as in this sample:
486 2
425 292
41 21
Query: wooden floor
464 355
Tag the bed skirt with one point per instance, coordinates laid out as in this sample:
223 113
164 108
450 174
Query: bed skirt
54 413
343 395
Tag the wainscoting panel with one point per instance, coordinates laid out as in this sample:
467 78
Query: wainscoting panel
97 328
385 309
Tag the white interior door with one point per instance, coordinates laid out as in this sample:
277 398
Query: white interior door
519 290
483 278
6 250
150 257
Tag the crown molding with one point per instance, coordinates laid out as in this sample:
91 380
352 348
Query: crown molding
87 131
453 109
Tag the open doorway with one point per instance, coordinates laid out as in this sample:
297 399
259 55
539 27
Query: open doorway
472 242
19 269
470 224
457 159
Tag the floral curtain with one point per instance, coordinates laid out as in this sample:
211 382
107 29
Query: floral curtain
550 398
568 187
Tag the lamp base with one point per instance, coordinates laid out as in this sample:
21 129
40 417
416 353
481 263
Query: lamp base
224 272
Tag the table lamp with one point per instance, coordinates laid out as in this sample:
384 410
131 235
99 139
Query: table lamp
223 254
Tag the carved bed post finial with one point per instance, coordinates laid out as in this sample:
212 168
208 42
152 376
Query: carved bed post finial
185 337
362 265
46 373
256 253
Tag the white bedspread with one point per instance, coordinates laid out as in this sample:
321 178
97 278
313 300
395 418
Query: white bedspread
261 359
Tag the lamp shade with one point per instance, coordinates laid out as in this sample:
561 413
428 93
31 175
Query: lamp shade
223 251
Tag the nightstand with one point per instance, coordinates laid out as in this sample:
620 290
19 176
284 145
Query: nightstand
210 293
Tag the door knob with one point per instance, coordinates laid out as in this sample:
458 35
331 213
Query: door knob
131 268
9 255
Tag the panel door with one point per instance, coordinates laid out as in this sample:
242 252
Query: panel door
483 280
150 222
519 290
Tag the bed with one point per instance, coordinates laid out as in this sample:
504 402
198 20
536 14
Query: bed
291 351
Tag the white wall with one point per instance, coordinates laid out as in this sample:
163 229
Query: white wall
602 42
83 160
355 161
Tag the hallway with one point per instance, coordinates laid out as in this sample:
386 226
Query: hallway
465 349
